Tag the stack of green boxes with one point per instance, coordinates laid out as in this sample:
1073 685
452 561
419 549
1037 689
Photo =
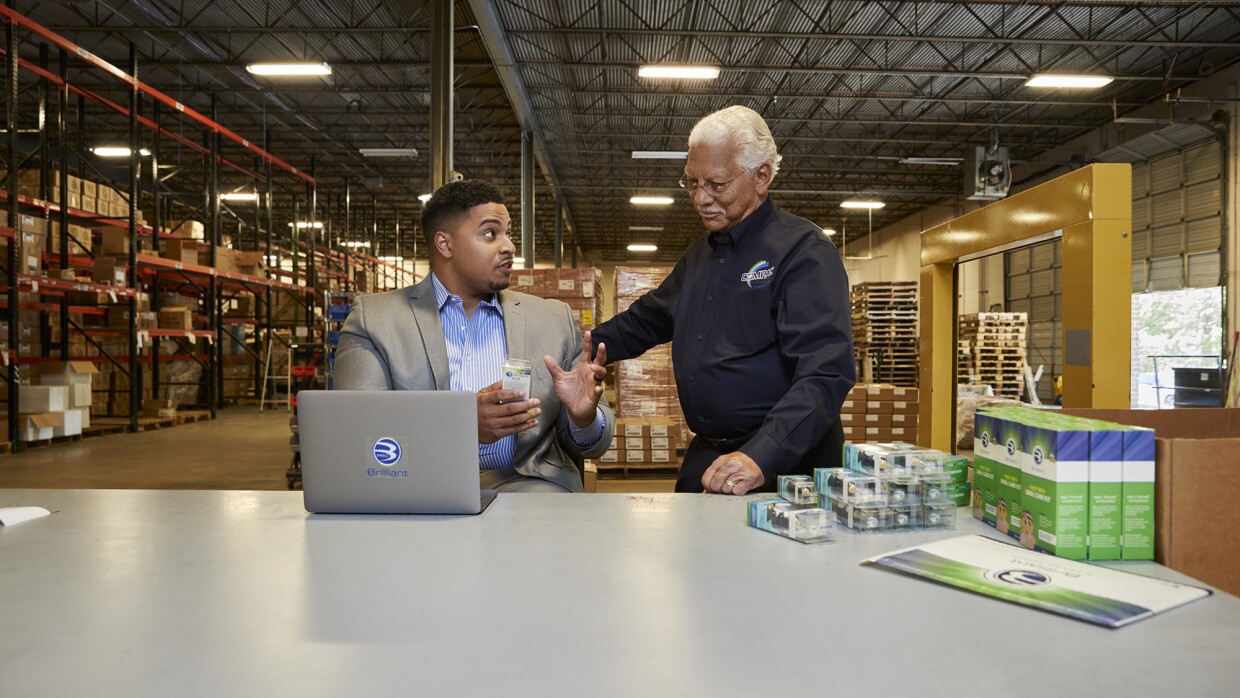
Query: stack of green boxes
1069 486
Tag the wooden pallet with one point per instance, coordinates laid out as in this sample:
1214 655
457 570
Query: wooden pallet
186 416
144 423
42 443
96 429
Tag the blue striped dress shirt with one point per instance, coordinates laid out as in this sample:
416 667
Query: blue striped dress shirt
476 351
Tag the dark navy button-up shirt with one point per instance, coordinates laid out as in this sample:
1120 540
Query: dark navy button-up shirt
761 333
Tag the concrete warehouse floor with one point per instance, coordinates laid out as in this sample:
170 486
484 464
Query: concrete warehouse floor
242 449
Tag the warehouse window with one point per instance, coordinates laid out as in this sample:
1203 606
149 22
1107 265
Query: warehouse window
1173 329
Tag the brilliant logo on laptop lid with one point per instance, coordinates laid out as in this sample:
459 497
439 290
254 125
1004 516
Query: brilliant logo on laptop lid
386 452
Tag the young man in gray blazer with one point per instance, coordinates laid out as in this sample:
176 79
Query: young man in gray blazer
453 330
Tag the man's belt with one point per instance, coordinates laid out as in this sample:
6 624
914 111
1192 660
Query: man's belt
727 444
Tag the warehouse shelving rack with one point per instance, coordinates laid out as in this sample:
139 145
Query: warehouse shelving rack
48 293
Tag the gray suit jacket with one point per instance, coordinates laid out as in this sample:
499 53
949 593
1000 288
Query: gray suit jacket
394 341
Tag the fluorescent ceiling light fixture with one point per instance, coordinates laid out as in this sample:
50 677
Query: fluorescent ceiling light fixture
651 200
930 161
302 225
1049 80
424 197
828 231
652 228
660 154
853 203
391 258
354 243
116 151
239 196
389 152
289 69
693 72
639 247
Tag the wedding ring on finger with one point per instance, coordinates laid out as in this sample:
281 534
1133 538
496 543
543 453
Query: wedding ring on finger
729 483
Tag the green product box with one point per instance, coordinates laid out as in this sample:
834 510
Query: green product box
1106 468
1055 466
958 469
960 493
984 467
1137 540
1005 453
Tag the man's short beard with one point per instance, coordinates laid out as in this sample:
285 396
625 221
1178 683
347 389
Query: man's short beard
500 285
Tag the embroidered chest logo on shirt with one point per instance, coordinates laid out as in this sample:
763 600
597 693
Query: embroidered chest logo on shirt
759 275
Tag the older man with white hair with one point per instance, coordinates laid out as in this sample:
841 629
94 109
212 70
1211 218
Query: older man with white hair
758 315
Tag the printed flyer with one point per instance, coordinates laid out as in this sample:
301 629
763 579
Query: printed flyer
982 565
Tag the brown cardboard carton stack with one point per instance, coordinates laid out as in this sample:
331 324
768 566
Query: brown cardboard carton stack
644 442
880 412
581 289
646 386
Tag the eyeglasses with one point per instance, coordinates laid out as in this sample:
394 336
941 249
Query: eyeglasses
711 187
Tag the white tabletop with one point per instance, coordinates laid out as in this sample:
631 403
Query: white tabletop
164 593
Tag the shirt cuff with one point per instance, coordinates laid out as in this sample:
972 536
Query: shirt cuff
590 434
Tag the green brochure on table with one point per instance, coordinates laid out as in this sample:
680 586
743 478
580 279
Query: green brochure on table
1099 595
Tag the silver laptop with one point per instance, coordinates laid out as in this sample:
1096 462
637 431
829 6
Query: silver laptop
390 452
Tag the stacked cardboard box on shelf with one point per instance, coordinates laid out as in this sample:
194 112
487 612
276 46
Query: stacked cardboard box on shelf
32 242
643 442
58 401
880 412
992 351
581 289
81 195
884 323
646 386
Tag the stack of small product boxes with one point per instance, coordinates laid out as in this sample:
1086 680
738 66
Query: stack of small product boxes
1073 487
887 487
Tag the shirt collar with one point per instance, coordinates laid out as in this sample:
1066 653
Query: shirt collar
443 295
753 221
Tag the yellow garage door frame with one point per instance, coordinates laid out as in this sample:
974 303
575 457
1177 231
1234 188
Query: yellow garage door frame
1092 209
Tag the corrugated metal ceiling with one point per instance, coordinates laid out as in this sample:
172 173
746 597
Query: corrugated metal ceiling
848 88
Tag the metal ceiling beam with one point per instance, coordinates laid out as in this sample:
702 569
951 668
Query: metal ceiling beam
863 37
491 30
819 70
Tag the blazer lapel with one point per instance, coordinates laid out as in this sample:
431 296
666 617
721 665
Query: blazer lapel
426 315
514 326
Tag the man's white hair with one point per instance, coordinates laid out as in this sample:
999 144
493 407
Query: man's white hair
741 127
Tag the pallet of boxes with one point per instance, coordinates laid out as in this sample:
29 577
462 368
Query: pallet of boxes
878 412
645 385
643 443
580 289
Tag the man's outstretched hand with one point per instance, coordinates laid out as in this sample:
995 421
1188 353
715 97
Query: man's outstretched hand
579 390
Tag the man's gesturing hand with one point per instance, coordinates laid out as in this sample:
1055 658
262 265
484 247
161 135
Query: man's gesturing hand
503 413
580 389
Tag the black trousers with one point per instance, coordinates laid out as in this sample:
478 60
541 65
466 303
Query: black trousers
829 453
